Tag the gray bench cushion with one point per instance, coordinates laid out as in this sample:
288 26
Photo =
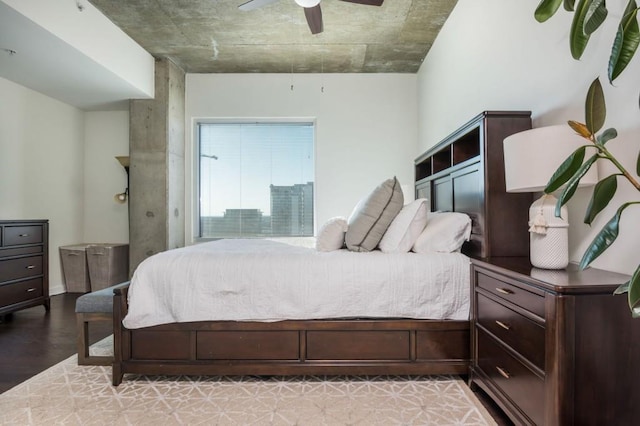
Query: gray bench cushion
98 301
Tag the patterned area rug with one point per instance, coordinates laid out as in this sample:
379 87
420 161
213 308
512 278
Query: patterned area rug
68 394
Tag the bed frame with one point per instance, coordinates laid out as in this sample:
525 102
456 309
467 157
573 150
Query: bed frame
353 346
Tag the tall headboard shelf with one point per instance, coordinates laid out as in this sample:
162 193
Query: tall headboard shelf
465 173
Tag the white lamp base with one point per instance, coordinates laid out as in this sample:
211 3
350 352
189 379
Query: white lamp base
549 235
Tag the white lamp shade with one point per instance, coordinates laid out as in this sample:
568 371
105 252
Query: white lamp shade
531 157
307 3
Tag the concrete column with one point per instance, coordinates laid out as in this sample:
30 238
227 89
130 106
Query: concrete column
156 203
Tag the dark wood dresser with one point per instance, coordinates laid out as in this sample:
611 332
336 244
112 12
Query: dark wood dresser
24 264
554 347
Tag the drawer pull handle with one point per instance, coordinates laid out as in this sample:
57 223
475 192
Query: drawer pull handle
31 266
29 290
23 235
98 254
504 290
503 325
504 373
71 253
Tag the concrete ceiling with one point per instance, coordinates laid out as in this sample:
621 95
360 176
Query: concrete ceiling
214 36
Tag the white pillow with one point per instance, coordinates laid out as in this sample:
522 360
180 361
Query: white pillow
445 232
405 228
331 234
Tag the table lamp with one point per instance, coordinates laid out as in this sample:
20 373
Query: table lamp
530 159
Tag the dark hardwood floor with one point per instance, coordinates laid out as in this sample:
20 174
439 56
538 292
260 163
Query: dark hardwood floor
33 340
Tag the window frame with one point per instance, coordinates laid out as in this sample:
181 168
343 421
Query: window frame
197 232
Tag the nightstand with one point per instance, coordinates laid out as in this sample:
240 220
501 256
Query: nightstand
554 347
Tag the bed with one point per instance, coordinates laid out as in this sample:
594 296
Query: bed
395 342
270 326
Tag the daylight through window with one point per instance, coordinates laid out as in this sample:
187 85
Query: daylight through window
255 179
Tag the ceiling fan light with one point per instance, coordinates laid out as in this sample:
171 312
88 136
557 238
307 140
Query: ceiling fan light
307 3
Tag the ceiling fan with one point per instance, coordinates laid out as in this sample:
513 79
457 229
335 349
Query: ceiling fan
312 10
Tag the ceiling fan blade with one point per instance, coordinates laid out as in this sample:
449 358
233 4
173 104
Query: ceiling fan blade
314 18
254 4
368 2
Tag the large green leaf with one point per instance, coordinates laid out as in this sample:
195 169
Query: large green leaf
546 9
604 239
572 184
595 108
577 38
569 5
634 293
626 41
596 14
606 136
603 192
567 169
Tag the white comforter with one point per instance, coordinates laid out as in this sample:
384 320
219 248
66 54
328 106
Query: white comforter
262 280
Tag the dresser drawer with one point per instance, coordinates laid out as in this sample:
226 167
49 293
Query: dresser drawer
20 292
515 380
523 335
20 268
19 251
530 301
24 234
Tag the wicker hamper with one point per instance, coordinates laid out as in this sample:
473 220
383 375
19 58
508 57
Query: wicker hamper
108 264
74 268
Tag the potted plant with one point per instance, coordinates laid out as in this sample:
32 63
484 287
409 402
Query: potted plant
588 17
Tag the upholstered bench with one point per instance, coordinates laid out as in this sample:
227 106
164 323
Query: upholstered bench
92 307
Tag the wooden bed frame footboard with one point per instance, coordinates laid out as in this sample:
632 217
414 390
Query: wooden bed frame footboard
318 347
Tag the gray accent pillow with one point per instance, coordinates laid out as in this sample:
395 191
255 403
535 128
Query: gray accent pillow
373 215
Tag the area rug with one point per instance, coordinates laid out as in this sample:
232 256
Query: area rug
68 394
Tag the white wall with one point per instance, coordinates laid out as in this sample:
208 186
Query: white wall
57 163
492 54
93 35
106 136
365 126
42 166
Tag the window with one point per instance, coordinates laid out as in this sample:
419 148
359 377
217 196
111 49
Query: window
255 179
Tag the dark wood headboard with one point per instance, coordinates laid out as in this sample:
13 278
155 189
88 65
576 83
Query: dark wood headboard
465 173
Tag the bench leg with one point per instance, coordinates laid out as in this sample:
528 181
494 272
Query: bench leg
83 320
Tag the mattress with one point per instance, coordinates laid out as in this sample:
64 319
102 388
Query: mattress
267 280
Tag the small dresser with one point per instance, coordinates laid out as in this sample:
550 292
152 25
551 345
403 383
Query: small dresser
24 264
554 347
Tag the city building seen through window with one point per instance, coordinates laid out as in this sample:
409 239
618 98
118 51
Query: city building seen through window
256 180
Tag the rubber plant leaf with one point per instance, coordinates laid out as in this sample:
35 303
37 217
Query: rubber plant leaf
569 5
595 109
596 14
622 288
626 41
572 183
603 192
606 136
580 129
568 168
546 9
604 239
577 38
634 293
